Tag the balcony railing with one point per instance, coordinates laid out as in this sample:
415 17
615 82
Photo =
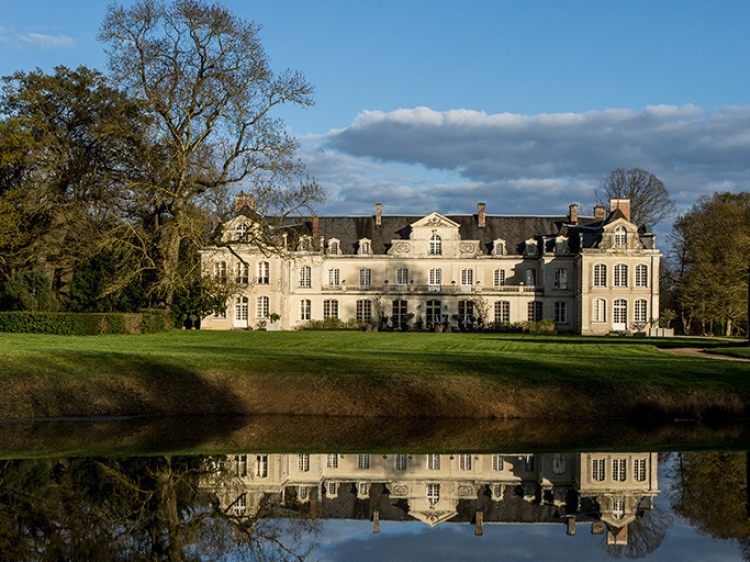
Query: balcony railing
453 288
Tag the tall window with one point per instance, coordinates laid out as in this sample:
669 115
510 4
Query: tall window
400 462
464 462
502 311
498 277
363 461
399 313
640 311
303 462
220 272
240 231
559 463
332 460
240 465
261 466
435 277
402 276
241 273
240 308
333 248
618 508
529 463
641 275
467 277
561 312
621 275
619 470
531 277
433 493
465 309
365 277
330 308
364 310
334 276
364 248
597 470
621 236
264 273
305 309
561 279
498 463
433 461
436 245
261 307
305 276
535 311
639 470
600 310
600 275
433 312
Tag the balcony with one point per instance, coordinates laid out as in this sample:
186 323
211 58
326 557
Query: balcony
452 288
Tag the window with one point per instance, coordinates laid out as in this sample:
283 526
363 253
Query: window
435 277
535 311
364 310
561 279
240 465
597 470
305 276
639 470
531 277
559 463
331 489
305 309
364 248
641 275
303 462
433 461
220 272
240 504
363 489
433 313
502 311
498 277
621 236
241 273
620 312
618 508
334 277
402 276
240 231
640 312
333 247
497 490
600 275
399 313
261 307
302 492
330 308
529 463
365 277
465 310
436 245
467 277
264 273
433 493
600 310
498 463
240 309
363 462
621 275
561 312
499 248
400 462
619 470
332 460
464 462
261 466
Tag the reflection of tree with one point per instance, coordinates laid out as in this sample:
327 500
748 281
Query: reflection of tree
709 491
130 509
645 535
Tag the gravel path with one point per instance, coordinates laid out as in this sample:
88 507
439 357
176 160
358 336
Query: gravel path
695 352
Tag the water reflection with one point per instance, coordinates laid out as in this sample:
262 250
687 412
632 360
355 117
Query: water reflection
280 506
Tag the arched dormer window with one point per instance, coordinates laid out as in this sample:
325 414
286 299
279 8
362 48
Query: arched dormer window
436 245
621 236
240 231
333 247
365 248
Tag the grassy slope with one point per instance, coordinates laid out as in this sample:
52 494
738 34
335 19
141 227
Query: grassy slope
362 374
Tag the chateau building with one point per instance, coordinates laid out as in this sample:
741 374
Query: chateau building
588 274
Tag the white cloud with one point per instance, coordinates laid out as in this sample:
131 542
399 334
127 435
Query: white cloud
43 41
450 160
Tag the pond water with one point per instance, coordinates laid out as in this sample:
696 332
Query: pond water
258 502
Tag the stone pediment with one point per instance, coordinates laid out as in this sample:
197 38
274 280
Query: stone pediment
433 517
435 220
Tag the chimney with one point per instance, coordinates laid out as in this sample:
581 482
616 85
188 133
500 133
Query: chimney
622 204
243 199
378 214
480 212
478 524
574 214
315 226
600 212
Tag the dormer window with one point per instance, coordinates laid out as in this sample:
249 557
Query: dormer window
333 247
365 248
532 249
561 247
240 231
436 245
498 248
621 237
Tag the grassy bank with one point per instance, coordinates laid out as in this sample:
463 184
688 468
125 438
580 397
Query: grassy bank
366 374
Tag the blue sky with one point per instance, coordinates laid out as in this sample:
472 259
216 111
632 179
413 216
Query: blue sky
437 105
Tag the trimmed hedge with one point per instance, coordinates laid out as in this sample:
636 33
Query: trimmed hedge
87 324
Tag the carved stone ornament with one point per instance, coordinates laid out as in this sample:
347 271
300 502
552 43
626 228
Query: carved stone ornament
399 490
465 491
434 221
467 248
401 248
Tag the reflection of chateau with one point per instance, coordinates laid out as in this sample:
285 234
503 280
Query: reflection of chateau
607 490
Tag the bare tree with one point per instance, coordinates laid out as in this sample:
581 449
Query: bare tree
649 199
204 78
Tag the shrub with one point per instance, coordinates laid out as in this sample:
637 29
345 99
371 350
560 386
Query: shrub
72 324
